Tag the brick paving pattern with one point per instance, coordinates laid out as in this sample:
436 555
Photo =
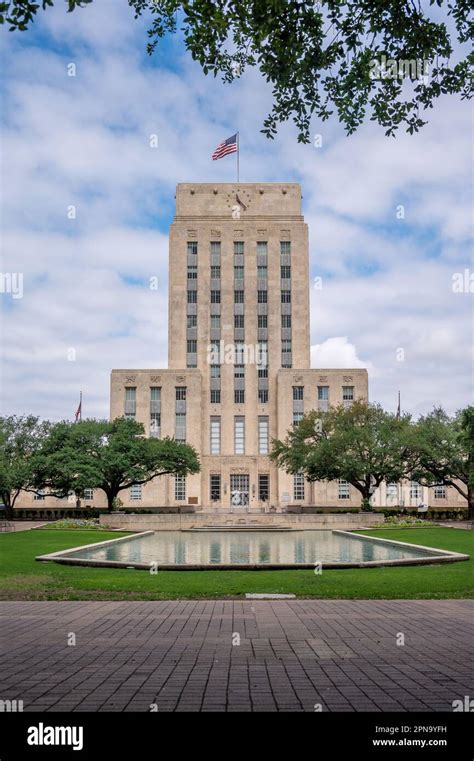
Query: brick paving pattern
293 655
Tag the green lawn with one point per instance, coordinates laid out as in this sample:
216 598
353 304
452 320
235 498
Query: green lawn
23 578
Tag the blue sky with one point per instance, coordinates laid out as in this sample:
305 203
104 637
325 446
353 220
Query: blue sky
84 141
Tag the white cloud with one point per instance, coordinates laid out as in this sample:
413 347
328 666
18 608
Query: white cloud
336 352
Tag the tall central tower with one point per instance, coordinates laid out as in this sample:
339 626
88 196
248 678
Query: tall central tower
238 295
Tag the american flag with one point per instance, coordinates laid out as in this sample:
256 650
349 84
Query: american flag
228 146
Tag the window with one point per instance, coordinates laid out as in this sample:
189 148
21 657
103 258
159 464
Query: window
192 272
263 435
262 372
343 489
286 345
239 353
298 486
215 272
239 273
155 425
415 490
392 490
214 350
239 371
238 247
191 320
298 393
88 495
215 371
135 492
130 402
262 297
262 247
286 321
238 297
285 247
39 496
192 297
262 272
263 395
239 321
215 396
286 297
192 248
215 297
440 491
285 272
180 393
348 393
216 247
191 346
215 435
262 321
180 487
180 434
323 393
215 486
239 435
215 320
263 487
155 411
239 396
261 355
297 417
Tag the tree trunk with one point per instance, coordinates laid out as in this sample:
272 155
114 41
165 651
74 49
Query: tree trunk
110 502
470 503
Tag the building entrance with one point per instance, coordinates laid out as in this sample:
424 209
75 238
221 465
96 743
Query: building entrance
239 490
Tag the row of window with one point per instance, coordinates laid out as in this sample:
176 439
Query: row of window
323 393
239 297
135 493
239 249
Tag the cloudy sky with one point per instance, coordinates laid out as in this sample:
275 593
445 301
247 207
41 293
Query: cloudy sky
386 298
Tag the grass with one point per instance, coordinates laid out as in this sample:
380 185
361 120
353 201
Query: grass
23 578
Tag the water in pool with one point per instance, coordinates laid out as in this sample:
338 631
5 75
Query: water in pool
248 548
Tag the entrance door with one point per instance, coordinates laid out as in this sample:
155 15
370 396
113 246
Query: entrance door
239 490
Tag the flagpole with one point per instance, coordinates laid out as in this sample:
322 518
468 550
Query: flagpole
80 406
238 157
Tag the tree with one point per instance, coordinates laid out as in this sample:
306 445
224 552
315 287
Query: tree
111 456
21 437
366 58
362 444
441 451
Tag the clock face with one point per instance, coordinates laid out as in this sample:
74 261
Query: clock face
238 201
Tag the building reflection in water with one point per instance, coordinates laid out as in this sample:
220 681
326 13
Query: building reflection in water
242 548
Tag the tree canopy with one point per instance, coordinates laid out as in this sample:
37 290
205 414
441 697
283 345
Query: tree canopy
111 456
361 444
441 451
21 438
383 60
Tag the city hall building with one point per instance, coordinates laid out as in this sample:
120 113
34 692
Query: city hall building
238 370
